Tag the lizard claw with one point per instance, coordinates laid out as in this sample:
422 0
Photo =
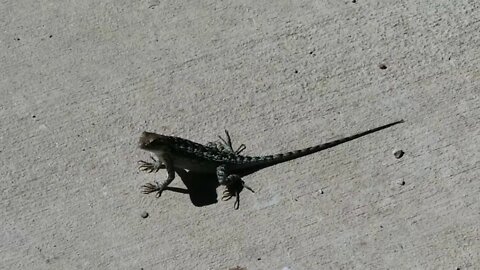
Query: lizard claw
225 145
150 188
150 167
145 166
233 190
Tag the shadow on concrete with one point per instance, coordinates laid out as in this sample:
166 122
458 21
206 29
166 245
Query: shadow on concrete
201 187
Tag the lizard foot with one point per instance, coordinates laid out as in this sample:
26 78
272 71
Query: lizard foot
150 188
150 167
233 190
225 145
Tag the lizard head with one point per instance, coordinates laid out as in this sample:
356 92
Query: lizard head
148 140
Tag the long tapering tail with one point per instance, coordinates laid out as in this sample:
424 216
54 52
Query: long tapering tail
271 160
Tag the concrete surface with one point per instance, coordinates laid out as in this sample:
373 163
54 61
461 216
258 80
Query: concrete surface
80 80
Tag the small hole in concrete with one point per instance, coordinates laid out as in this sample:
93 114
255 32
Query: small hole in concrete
398 154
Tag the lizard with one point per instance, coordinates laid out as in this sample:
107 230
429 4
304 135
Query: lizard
218 158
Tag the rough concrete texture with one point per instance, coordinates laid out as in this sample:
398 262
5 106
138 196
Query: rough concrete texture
81 79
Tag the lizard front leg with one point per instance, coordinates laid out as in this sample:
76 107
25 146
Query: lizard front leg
150 167
160 187
233 185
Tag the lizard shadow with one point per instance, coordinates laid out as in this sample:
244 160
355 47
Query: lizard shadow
201 187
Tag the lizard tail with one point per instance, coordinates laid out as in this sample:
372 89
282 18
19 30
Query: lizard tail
271 160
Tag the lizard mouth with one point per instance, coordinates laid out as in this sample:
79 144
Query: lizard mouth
146 139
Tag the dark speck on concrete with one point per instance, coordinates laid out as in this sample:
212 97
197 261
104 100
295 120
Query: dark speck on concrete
398 154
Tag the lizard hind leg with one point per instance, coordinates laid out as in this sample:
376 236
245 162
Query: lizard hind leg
233 189
233 185
228 143
225 145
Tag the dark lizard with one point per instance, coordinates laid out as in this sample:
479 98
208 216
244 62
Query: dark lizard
219 158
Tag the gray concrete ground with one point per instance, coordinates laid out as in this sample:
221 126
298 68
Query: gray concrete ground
80 80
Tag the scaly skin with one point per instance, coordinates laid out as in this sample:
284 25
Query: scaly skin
220 158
